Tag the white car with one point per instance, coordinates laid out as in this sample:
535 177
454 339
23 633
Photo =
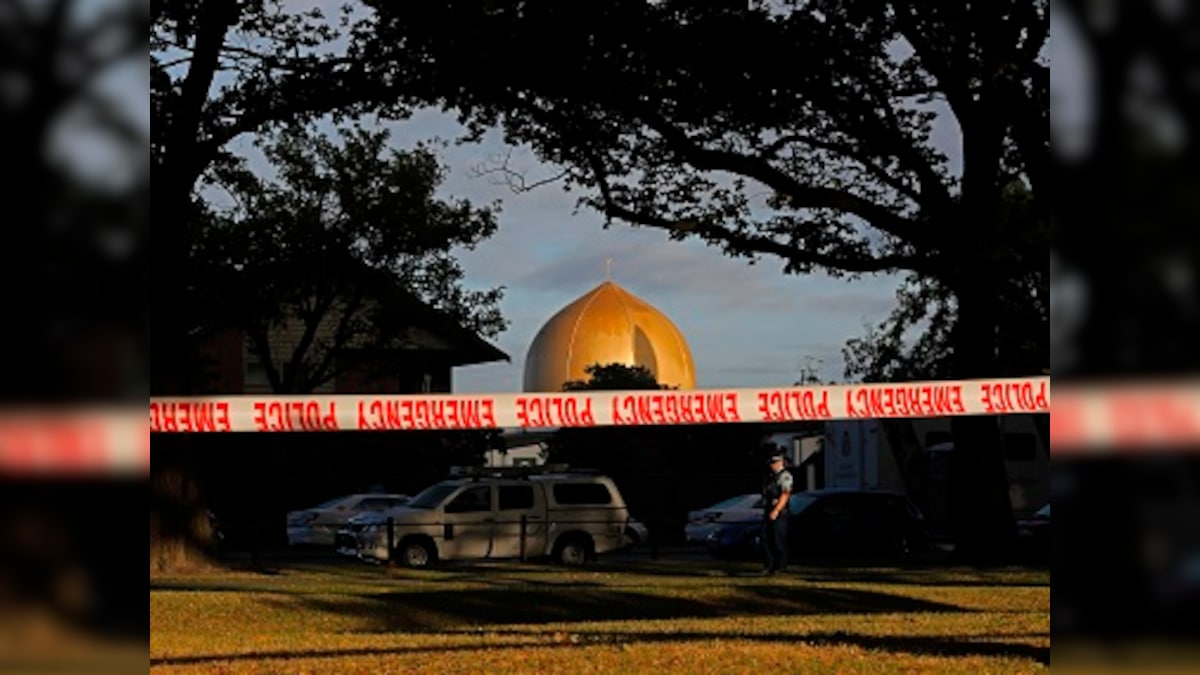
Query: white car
318 525
702 522
360 532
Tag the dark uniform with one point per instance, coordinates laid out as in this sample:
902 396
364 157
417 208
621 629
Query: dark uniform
775 538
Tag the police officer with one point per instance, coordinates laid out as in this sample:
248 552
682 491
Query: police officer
777 489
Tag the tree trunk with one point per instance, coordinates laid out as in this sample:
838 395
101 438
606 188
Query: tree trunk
180 538
981 517
181 535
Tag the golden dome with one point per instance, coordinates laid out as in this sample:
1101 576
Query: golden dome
607 325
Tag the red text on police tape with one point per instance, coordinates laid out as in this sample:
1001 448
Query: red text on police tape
675 408
295 416
407 413
1005 397
537 412
189 416
794 405
905 400
60 445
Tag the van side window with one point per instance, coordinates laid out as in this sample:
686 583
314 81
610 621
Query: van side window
516 497
582 493
471 500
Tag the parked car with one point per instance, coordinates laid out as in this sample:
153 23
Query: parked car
1033 534
318 525
636 532
834 522
359 529
570 517
702 522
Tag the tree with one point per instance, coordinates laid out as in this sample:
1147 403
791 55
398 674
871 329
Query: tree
915 341
346 242
74 245
802 131
220 69
615 376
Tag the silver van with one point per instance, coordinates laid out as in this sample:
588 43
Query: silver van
570 517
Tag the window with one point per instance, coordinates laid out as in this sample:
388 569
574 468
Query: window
516 497
836 507
432 496
379 503
373 504
471 500
799 501
582 493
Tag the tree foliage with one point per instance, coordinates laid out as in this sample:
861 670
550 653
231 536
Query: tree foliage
220 69
615 377
915 341
345 240
802 132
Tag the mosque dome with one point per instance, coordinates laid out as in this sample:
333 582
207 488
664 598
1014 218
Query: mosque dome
607 325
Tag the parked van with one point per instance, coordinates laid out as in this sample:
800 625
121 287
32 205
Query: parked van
570 516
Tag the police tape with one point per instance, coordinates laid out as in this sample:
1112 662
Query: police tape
1124 418
1098 419
598 408
74 442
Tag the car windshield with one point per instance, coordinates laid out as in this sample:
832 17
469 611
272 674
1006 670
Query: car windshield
1043 512
800 501
728 503
432 496
331 503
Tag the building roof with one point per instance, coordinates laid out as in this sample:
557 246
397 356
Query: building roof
466 347
462 345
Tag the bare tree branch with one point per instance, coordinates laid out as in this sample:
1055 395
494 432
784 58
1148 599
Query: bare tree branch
503 174
847 152
755 243
799 196
326 369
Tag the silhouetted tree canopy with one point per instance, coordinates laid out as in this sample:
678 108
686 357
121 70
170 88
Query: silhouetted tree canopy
615 377
915 341
344 241
219 70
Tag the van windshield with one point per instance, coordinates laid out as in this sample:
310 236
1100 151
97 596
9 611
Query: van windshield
432 496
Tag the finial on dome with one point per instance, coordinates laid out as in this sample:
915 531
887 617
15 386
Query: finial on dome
608 269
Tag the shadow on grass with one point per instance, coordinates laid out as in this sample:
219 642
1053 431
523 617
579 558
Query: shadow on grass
923 645
425 611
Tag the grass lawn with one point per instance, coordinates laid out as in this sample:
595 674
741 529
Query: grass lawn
647 615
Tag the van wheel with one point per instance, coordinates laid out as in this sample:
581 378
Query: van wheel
415 553
572 551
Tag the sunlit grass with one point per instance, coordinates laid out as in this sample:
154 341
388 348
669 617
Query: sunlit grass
652 615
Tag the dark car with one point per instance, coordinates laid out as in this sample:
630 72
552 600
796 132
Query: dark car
1033 535
835 523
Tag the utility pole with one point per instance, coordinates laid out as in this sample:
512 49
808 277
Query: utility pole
808 371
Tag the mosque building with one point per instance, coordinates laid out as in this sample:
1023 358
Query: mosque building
607 325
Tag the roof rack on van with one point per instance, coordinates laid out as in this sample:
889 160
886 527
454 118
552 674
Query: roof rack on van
477 472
